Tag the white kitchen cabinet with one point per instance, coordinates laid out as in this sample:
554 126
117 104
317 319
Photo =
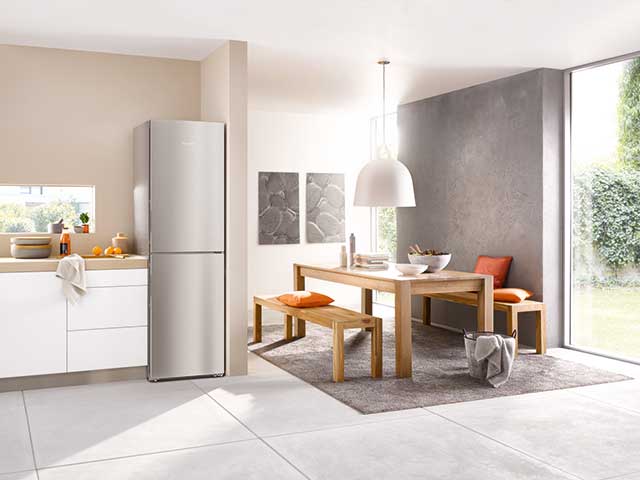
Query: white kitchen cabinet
33 324
107 348
41 333
117 278
109 307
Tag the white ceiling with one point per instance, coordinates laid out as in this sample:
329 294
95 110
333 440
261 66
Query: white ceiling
320 55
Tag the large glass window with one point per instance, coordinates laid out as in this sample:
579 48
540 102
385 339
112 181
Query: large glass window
30 208
605 209
383 220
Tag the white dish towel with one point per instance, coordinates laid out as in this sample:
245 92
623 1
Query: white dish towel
71 271
499 353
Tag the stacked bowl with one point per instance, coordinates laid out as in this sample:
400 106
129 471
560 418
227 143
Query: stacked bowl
30 247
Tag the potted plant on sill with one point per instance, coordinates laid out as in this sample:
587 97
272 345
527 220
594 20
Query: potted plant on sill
84 218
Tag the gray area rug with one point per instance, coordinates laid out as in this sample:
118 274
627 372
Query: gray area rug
440 373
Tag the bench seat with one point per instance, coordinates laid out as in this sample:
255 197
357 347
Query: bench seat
330 316
511 309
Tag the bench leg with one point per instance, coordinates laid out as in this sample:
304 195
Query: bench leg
512 324
541 331
301 328
376 349
298 285
288 327
338 353
426 310
257 323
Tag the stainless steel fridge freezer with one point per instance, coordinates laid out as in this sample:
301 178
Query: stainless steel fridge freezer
179 216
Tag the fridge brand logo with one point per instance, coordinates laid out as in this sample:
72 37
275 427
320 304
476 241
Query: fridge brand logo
188 143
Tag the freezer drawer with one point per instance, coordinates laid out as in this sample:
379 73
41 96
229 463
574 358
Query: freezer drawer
187 186
187 315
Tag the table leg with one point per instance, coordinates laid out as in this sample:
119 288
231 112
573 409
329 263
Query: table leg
338 353
403 330
485 305
257 323
426 310
298 284
366 301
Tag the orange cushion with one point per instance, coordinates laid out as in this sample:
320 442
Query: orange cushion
305 299
511 295
496 266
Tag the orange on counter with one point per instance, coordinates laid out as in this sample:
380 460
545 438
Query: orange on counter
117 251
97 251
108 251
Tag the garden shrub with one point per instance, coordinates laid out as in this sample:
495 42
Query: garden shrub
606 214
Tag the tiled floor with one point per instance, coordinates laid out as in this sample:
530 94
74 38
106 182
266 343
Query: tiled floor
272 425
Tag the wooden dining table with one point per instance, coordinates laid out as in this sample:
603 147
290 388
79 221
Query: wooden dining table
403 287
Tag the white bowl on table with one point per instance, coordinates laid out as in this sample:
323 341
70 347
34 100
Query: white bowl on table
410 269
435 263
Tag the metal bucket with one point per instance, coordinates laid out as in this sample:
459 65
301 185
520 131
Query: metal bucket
478 369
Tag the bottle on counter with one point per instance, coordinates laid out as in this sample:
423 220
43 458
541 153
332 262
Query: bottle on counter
65 244
343 255
352 250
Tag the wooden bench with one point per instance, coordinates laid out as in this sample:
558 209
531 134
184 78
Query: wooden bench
336 318
512 310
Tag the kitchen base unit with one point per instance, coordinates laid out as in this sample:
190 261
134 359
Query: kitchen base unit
48 341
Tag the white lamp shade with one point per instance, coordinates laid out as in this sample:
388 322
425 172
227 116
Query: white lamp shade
384 183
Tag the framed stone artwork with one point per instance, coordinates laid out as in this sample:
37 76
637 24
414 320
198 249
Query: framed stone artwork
325 208
278 208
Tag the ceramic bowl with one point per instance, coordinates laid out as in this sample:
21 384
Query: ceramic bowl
77 228
435 263
31 240
30 251
410 269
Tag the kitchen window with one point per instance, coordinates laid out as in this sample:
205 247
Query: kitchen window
30 208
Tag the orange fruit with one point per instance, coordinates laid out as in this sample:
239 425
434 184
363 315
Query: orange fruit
117 251
108 251
97 251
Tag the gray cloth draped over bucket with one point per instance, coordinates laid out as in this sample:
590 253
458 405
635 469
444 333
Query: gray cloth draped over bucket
490 357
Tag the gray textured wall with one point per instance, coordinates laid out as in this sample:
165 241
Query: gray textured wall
478 158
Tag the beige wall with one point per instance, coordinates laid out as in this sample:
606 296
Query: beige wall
224 99
66 117
305 143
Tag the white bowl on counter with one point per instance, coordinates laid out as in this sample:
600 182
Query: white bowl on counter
30 251
435 263
410 269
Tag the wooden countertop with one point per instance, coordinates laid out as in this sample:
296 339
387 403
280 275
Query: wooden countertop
15 265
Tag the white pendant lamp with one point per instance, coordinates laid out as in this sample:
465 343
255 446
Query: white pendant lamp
384 181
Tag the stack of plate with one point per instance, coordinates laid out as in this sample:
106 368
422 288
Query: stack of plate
30 247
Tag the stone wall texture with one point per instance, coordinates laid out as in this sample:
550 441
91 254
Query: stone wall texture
486 164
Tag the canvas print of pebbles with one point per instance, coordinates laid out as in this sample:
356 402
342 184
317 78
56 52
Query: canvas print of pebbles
325 208
279 208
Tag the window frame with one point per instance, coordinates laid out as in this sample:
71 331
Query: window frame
567 220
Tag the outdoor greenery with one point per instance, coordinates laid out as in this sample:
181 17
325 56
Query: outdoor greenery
607 216
387 241
629 116
20 218
607 319
606 200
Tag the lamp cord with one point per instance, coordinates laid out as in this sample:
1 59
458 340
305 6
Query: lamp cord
384 110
